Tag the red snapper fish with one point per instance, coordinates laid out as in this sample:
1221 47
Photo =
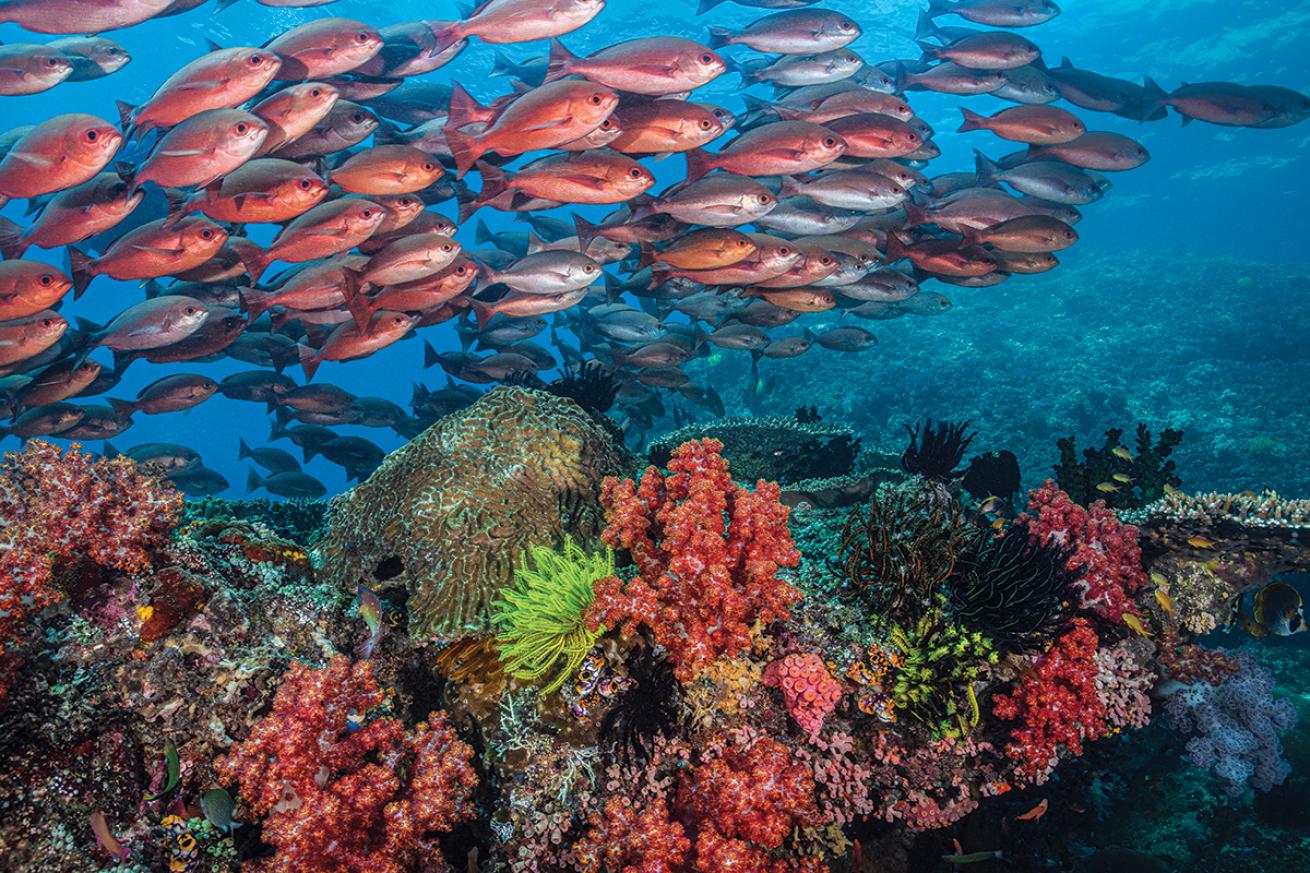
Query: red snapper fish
510 21
73 215
655 65
78 16
222 79
348 341
202 149
58 153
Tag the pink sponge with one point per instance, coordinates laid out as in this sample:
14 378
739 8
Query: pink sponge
807 686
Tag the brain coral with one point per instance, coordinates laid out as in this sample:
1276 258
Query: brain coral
448 514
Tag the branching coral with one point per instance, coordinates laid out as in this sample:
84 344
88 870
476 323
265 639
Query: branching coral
58 505
1120 477
1013 588
342 790
707 554
935 450
1057 707
1105 550
897 553
932 680
539 619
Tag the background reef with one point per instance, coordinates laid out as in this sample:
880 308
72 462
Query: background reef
910 677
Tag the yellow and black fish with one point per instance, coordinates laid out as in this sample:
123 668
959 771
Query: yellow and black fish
1277 611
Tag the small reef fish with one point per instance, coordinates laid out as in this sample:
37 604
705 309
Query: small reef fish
1121 452
370 608
172 772
216 804
1107 487
1136 624
1166 601
1200 542
106 839
1035 813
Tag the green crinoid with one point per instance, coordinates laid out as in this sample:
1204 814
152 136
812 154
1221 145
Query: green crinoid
540 617
937 663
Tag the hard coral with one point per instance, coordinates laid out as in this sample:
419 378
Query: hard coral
1059 706
1105 550
341 789
807 687
707 553
1147 472
57 506
448 514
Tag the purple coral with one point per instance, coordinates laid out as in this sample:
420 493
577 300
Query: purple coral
1234 726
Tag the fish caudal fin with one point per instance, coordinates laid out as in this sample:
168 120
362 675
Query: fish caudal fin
253 480
309 360
561 61
699 162
972 121
464 149
12 244
719 36
79 269
988 171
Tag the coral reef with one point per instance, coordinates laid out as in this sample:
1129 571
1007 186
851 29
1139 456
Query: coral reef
933 674
807 686
702 582
447 515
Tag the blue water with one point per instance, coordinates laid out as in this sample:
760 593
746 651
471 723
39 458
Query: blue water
1207 192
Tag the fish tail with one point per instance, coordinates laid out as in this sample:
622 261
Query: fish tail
309 360
1155 95
900 79
79 268
706 6
719 36
939 7
123 409
464 148
988 170
585 230
12 244
915 215
253 480
430 356
699 162
503 65
243 448
926 28
125 111
646 255
445 34
971 121
494 183
895 247
256 302
361 307
929 51
179 204
256 261
483 235
560 63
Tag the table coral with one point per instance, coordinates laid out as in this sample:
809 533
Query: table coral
1105 549
707 554
340 789
449 513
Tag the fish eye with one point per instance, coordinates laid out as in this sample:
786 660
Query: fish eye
784 251
445 247
707 58
596 99
765 198
314 92
428 165
367 213
92 135
635 172
241 127
829 141
47 279
111 51
54 62
358 118
362 36
305 183
705 124
588 269
191 310
47 322
206 234
256 60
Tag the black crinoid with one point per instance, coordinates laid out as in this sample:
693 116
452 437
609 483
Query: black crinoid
591 385
935 449
643 711
1015 589
898 552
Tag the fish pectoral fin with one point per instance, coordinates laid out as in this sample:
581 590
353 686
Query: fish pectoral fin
590 182
182 153
35 161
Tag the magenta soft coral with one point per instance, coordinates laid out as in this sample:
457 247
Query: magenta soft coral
344 792
700 586
59 505
1058 706
1105 549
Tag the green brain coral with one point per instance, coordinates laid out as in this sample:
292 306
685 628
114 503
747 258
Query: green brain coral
539 618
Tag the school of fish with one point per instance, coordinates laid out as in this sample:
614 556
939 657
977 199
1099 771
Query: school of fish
812 195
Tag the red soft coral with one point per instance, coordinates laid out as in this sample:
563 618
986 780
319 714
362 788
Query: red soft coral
61 505
344 793
1105 549
700 585
1056 707
627 840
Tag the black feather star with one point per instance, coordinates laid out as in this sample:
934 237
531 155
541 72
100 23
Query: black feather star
1014 589
935 449
645 710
